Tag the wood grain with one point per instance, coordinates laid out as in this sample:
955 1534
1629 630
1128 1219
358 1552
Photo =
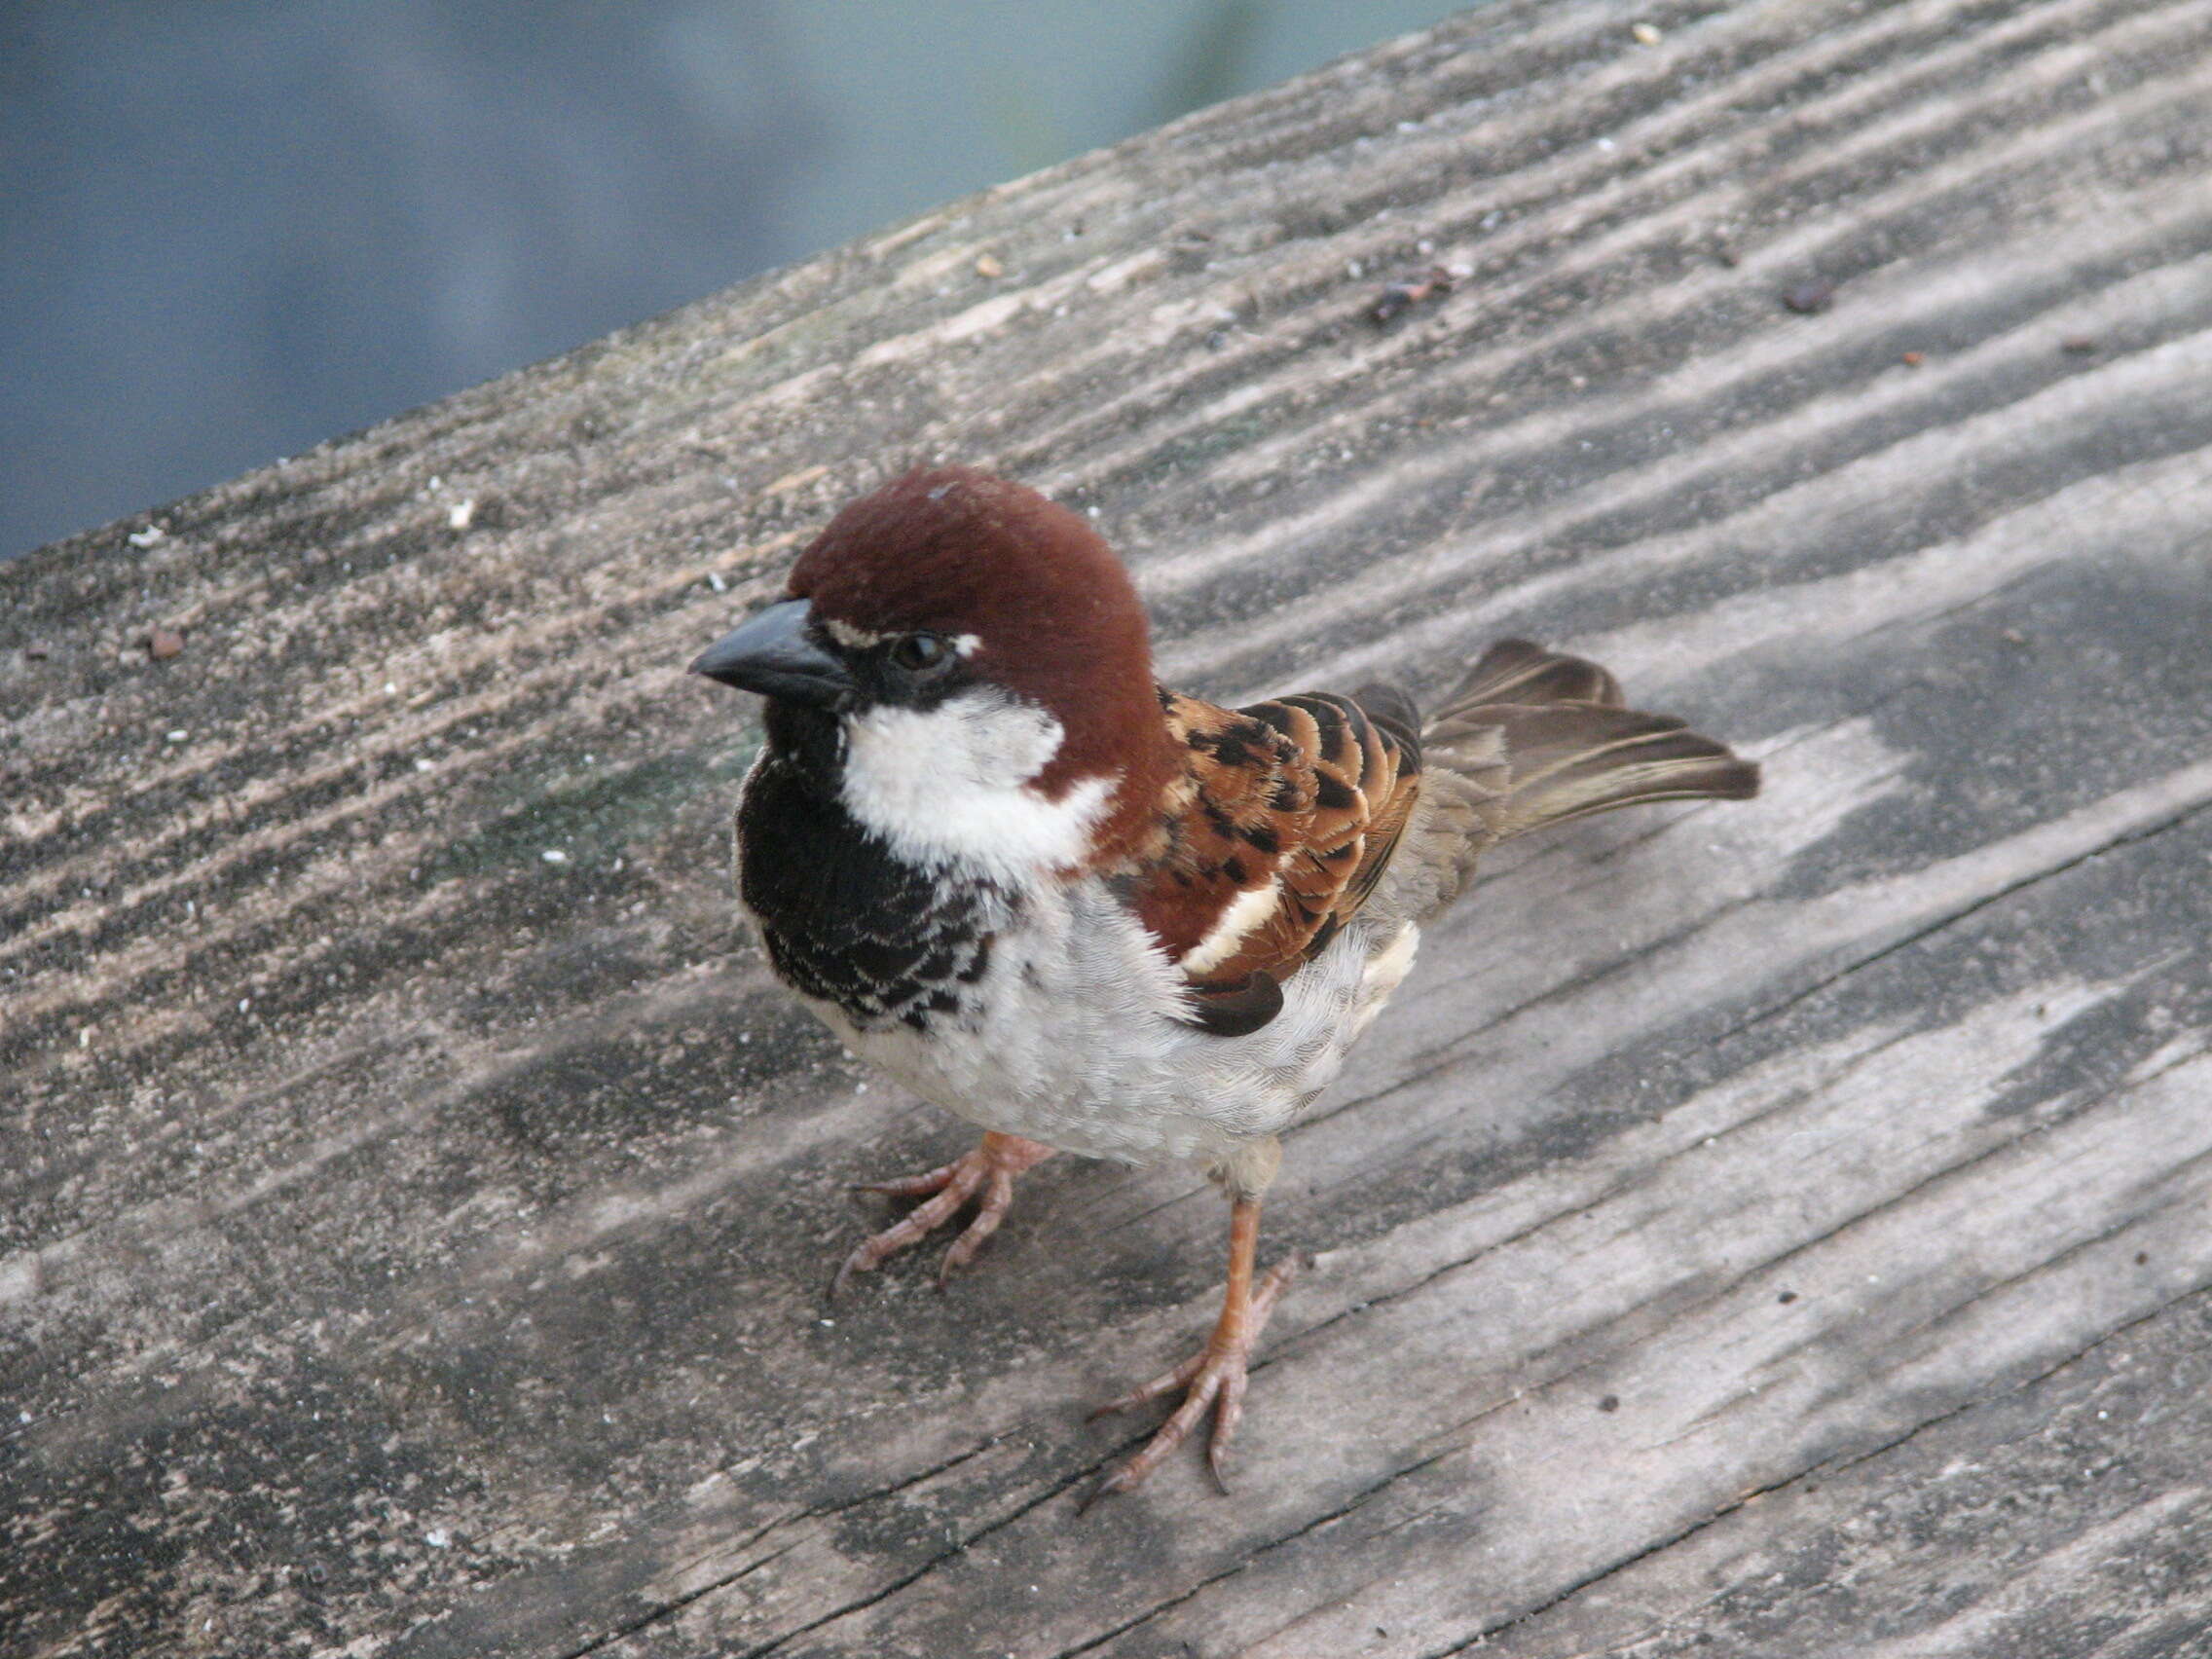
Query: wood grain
1755 1229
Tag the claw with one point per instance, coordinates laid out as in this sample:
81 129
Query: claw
1214 1377
910 1186
985 1175
1179 1378
1227 1411
990 1210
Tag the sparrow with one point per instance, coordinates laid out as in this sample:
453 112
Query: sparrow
1090 914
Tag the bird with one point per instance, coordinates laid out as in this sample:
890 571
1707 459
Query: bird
1093 915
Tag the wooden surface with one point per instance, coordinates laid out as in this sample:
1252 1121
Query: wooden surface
1761 1230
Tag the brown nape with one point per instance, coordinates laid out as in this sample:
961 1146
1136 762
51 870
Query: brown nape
956 551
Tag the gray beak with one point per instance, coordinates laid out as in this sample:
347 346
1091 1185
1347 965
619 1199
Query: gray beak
772 653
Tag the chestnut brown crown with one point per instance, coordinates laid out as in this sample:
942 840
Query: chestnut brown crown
1050 610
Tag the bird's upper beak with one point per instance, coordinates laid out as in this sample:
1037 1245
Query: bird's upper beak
774 654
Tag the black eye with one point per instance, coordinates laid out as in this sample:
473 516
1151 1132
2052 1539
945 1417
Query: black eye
919 654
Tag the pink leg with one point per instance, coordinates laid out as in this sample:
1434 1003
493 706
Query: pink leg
985 1175
1215 1375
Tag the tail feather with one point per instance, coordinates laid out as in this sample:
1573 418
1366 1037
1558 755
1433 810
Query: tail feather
1515 671
1535 738
1567 762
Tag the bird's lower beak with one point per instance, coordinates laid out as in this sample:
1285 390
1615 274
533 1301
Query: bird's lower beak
773 653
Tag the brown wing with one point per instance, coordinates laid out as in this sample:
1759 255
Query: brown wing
1284 817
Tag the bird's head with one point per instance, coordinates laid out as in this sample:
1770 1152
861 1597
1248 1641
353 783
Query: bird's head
967 665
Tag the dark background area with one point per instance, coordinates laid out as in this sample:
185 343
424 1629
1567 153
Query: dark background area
228 232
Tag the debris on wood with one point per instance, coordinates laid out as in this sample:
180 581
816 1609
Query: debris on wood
1809 299
1403 295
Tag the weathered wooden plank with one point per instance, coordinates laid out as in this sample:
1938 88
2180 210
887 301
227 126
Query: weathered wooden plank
400 1252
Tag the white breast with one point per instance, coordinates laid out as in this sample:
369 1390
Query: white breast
1072 1037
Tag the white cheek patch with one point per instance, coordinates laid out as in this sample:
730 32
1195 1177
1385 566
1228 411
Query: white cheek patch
954 784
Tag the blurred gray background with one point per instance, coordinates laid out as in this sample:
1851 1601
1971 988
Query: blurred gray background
230 229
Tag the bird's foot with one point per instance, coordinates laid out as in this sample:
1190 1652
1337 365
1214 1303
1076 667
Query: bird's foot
1213 1375
985 1176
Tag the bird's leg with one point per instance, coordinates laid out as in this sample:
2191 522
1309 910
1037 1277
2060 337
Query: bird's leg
1215 1375
985 1175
